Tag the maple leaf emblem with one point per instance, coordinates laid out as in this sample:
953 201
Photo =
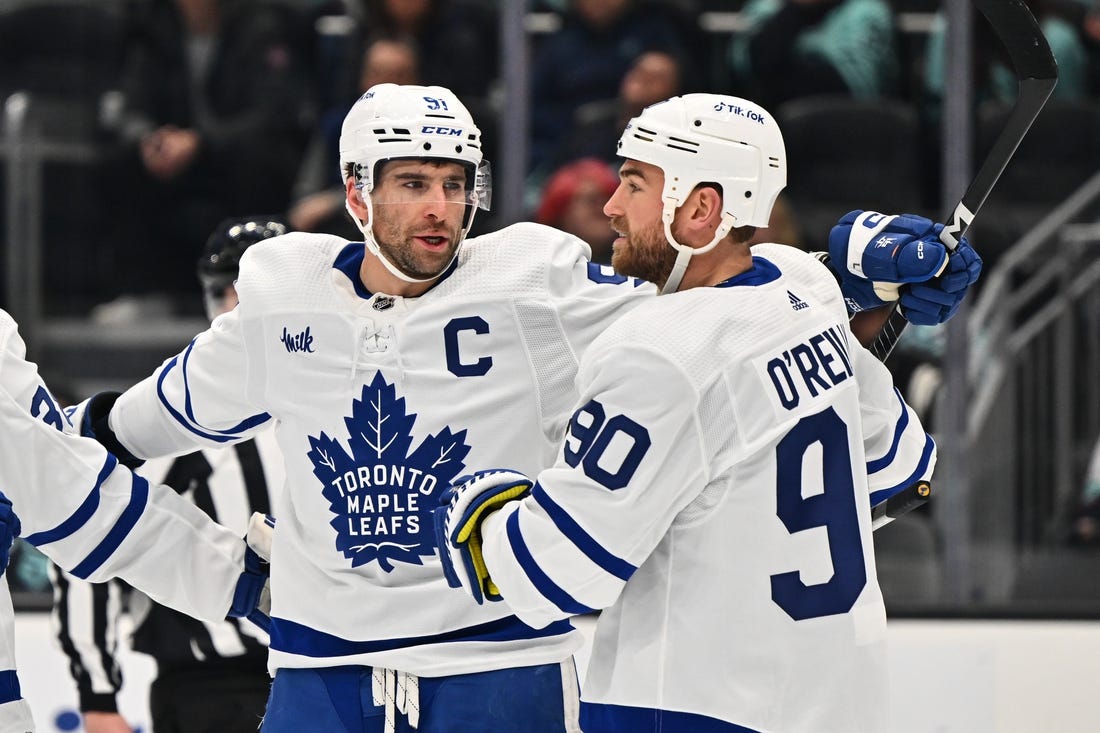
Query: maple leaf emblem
382 492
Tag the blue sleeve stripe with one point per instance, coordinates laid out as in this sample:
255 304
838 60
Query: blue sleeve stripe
83 513
592 549
548 588
922 466
899 430
189 422
9 687
139 498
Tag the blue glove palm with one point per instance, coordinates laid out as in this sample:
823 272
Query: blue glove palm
881 259
9 530
465 505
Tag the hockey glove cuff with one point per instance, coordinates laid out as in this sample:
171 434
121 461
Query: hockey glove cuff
9 530
261 529
252 597
91 418
465 505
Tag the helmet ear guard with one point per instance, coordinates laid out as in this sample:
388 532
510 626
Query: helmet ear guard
710 138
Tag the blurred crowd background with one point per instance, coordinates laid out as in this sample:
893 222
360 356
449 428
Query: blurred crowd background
132 127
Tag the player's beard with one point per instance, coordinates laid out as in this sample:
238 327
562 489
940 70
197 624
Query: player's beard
645 254
398 245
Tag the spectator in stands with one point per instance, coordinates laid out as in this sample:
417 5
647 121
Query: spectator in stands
456 39
653 76
216 114
585 61
573 201
995 79
319 189
1085 16
794 48
1036 180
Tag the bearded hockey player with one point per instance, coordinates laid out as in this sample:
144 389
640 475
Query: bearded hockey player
712 493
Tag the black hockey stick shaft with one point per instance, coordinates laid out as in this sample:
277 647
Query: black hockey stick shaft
1036 73
900 503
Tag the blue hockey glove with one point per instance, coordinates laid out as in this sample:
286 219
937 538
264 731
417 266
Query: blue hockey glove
937 300
252 597
9 530
90 417
465 505
883 258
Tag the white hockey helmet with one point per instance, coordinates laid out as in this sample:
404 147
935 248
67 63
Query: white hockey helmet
392 121
710 138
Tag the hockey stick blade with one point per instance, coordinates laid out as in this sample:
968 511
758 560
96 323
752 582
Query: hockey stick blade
1036 73
900 503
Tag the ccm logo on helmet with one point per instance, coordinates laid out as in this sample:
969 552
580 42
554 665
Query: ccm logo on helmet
434 130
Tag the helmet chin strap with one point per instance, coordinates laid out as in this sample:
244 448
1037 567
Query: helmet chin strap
684 253
374 249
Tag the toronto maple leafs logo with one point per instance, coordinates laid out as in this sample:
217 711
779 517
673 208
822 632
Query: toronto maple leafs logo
383 492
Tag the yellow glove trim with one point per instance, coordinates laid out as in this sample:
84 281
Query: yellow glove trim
470 534
473 522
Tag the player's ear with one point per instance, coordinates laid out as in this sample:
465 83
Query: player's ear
354 197
704 209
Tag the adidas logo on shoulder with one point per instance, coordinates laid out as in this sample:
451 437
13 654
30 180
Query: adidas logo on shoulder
796 302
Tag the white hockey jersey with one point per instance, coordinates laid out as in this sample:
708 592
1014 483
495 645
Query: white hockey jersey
93 517
378 403
712 496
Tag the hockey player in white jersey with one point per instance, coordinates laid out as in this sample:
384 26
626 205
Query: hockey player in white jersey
90 515
388 368
712 493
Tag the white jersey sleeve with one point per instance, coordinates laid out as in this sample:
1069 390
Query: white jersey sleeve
97 519
21 379
899 452
594 498
198 398
94 517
